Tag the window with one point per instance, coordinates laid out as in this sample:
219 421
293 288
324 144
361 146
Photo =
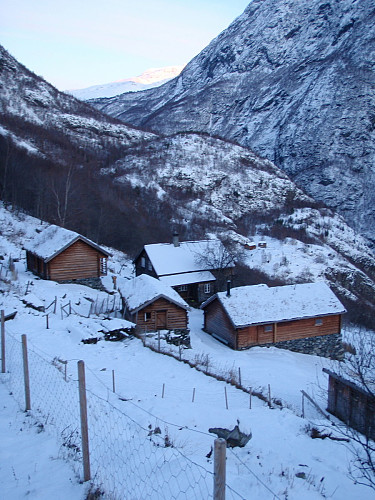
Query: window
149 265
143 262
318 322
207 288
268 328
147 316
103 266
182 288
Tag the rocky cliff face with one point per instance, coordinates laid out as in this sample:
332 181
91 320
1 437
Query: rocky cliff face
295 82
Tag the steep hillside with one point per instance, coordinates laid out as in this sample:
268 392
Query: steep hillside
68 164
295 82
46 123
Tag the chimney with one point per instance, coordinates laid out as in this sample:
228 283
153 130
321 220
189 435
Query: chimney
176 241
228 288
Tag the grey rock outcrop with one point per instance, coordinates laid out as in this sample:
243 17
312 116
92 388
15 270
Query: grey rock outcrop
295 82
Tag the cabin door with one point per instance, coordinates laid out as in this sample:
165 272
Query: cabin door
161 320
265 333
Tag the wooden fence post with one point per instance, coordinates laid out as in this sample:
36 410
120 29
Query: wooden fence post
239 376
26 373
269 396
226 397
303 405
220 447
2 342
84 426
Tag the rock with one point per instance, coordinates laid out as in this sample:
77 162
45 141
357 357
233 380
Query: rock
233 437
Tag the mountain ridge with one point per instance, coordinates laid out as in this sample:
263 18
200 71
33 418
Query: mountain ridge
150 78
292 81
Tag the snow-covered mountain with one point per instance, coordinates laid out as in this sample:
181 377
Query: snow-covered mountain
153 77
66 162
295 82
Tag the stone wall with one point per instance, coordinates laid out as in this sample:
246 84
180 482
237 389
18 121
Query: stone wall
328 346
95 283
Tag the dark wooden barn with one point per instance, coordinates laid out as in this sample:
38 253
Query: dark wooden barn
352 404
152 305
255 315
59 254
192 268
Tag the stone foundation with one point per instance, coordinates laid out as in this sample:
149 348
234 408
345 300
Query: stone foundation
95 283
327 346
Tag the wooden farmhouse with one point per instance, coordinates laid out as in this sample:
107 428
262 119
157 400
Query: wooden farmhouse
190 267
256 315
59 254
152 305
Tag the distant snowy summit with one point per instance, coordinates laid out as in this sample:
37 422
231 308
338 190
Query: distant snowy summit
152 77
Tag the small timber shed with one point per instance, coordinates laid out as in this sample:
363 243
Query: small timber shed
152 305
351 403
255 315
59 254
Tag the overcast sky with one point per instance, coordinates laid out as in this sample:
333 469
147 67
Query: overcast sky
78 43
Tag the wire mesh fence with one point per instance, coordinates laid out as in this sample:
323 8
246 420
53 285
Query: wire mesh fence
127 460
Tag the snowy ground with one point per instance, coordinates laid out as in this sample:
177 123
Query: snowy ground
266 468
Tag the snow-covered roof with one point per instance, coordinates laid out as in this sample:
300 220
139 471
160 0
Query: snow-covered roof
188 278
54 239
260 304
189 256
144 289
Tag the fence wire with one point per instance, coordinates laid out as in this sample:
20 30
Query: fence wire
127 460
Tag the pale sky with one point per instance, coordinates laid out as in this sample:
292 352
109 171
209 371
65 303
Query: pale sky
79 43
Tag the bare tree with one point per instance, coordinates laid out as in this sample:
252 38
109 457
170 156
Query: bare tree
219 258
62 192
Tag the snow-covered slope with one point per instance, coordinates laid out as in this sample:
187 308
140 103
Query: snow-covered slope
281 446
293 81
153 77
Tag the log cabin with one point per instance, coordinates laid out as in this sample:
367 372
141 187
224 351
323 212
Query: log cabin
62 255
193 268
255 315
152 305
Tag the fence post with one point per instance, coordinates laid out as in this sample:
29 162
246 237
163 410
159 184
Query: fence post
220 447
113 381
84 426
26 373
2 342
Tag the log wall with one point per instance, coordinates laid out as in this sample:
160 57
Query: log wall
78 261
216 322
351 404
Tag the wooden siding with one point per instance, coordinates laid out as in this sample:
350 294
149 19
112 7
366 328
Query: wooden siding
288 330
78 261
36 265
352 405
306 328
175 316
216 322
139 269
